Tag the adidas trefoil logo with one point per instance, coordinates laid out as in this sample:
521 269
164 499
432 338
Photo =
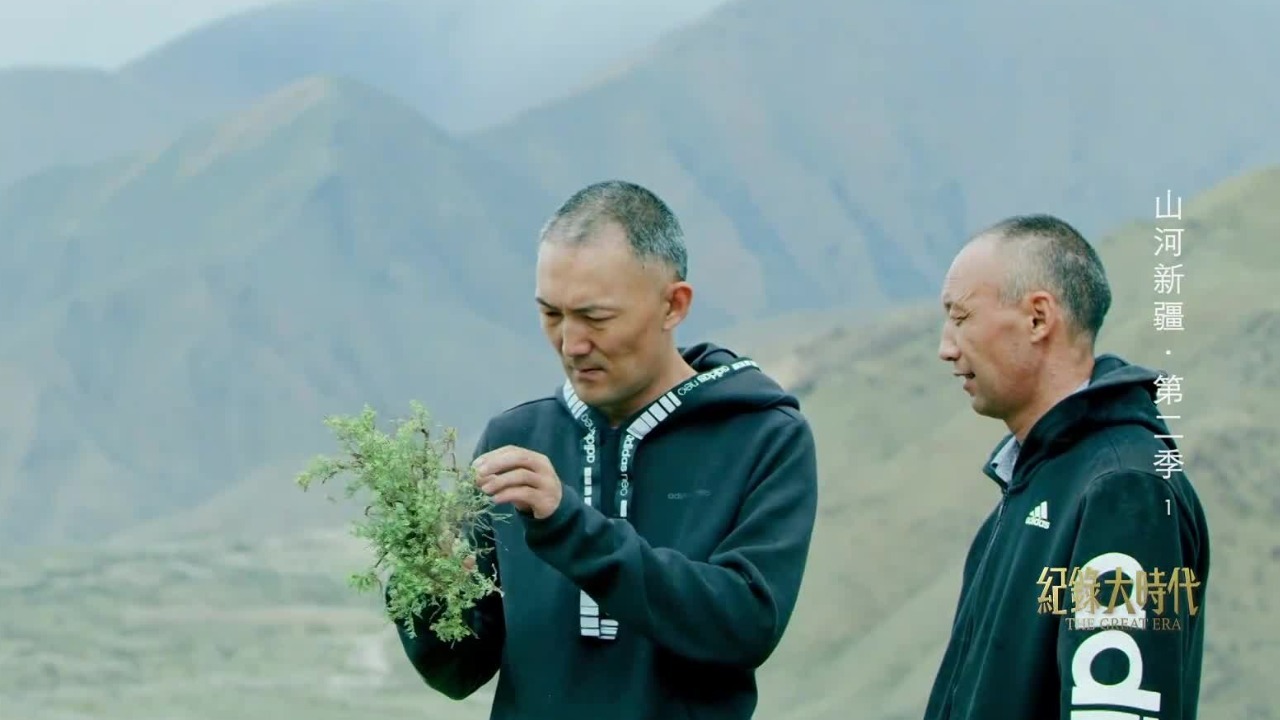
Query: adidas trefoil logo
1039 515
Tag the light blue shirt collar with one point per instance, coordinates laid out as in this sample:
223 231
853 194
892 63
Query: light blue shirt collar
1005 460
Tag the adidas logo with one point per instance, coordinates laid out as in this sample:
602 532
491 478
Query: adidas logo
1039 515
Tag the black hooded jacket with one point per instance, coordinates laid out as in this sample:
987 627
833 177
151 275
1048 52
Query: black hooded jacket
663 615
1043 629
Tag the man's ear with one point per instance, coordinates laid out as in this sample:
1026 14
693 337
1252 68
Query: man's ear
1043 313
679 298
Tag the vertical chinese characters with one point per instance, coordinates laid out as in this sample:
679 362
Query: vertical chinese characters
1168 392
1168 317
1168 271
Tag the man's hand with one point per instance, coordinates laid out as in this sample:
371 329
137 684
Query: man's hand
521 477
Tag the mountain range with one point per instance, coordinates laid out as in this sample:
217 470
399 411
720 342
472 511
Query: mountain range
465 65
208 626
324 204
192 291
186 309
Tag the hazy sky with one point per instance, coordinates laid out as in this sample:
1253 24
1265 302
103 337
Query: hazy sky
102 33
109 33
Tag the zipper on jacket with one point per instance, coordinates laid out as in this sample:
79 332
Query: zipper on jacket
974 585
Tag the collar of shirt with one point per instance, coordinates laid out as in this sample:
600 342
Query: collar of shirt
1005 460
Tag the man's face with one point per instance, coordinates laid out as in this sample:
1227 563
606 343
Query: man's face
607 314
988 344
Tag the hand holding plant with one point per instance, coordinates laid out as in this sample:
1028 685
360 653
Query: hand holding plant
422 515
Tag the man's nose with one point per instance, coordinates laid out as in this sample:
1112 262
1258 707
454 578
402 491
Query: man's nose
947 350
575 341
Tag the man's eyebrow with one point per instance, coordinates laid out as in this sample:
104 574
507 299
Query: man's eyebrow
582 310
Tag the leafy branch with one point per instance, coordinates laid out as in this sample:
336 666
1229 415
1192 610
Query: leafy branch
422 513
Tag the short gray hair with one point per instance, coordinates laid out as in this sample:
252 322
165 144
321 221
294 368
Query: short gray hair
650 226
1052 255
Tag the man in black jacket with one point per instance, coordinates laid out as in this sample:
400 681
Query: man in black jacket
1083 592
663 498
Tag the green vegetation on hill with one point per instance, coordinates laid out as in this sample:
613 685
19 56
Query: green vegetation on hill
269 630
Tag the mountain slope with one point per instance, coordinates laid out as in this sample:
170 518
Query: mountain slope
186 318
465 65
253 632
51 117
833 152
181 628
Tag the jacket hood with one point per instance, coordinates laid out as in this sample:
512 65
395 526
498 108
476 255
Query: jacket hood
749 387
1119 393
726 383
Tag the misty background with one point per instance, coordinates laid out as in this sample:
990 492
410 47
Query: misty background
223 221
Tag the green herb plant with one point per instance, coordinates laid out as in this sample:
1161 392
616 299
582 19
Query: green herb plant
421 513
